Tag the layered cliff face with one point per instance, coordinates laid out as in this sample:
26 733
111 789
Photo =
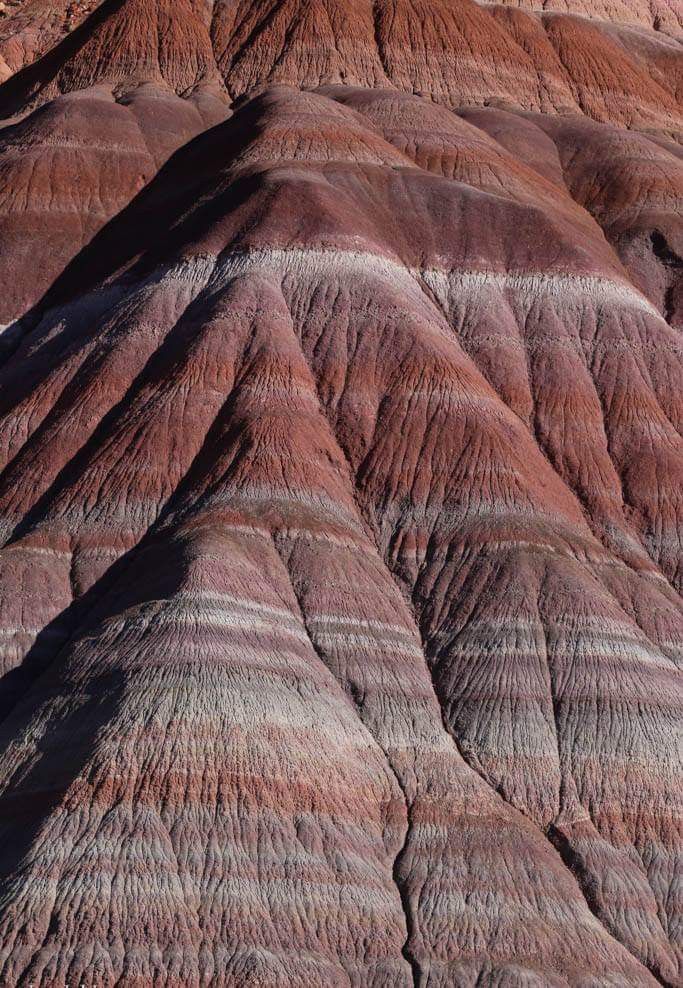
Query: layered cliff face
341 493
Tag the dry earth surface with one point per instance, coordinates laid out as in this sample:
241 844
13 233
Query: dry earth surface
341 493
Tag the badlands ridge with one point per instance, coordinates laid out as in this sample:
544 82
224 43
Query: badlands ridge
341 493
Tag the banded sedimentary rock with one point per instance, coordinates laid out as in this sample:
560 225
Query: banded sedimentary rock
340 499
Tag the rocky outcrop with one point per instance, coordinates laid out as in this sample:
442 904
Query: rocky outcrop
341 483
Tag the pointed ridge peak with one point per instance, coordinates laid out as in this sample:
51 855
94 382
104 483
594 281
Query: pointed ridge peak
122 43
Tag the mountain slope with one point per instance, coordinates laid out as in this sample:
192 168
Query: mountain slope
341 475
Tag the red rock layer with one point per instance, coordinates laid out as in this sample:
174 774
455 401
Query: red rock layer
149 55
29 30
661 15
554 62
340 503
80 157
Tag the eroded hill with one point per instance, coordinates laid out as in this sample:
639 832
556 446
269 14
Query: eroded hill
341 493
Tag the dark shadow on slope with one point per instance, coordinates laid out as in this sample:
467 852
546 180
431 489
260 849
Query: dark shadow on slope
663 252
110 251
89 704
158 368
69 741
673 265
149 572
191 193
188 194
110 594
23 86
62 753
151 230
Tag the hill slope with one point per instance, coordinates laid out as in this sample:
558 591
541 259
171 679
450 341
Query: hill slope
341 494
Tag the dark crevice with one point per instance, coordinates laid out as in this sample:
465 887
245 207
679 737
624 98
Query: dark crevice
356 700
379 44
469 758
663 252
584 879
668 303
673 264
411 925
572 861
